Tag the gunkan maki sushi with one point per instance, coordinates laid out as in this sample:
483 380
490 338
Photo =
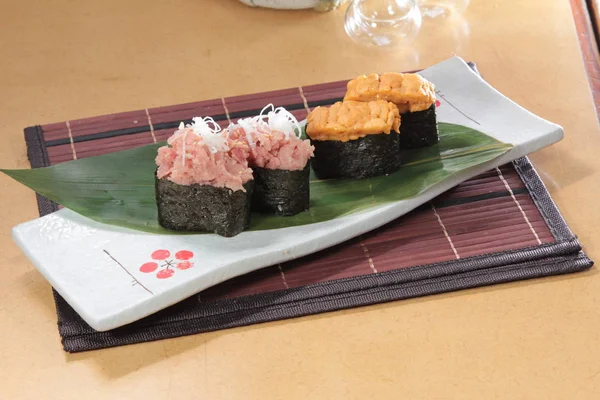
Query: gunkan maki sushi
279 158
355 139
203 182
415 98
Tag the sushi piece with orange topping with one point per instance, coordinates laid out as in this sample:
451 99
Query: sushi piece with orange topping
414 96
355 139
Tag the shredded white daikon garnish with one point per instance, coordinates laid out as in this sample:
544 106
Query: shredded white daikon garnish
284 121
275 119
248 125
209 131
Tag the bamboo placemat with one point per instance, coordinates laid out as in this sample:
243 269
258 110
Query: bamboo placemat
498 227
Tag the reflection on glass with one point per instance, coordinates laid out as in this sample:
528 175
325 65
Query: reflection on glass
383 22
450 34
442 8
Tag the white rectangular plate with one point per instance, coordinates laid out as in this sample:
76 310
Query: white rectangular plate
97 268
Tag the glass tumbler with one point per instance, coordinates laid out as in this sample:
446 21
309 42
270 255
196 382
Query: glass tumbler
383 22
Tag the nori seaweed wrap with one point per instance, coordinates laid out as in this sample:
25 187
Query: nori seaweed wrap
355 139
419 129
203 182
280 191
365 157
203 208
413 95
279 158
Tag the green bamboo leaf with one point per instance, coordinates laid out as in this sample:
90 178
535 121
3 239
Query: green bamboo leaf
118 188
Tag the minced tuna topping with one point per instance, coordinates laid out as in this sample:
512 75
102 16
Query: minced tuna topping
351 120
199 153
410 92
273 138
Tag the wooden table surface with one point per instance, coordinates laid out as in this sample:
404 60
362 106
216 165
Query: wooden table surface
536 339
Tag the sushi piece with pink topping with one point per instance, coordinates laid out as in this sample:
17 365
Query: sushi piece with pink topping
203 182
280 159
